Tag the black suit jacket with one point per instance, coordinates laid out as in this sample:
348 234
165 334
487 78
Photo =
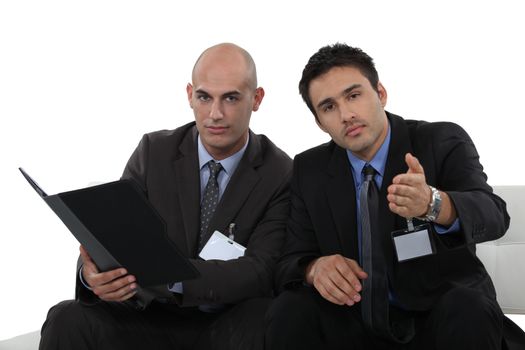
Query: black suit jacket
166 166
323 212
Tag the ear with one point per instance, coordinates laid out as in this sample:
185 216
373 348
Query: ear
381 92
189 91
257 99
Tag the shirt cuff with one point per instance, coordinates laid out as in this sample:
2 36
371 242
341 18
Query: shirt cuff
442 230
82 279
176 287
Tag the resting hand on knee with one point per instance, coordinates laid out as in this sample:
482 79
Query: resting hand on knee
336 278
114 285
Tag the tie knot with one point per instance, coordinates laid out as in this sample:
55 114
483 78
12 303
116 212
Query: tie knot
215 168
369 172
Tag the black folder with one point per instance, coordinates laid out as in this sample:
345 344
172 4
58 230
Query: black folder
120 228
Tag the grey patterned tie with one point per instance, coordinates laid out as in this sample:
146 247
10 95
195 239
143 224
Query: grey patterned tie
209 200
368 198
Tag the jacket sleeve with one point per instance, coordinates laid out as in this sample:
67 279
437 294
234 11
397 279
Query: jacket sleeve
482 214
248 276
301 246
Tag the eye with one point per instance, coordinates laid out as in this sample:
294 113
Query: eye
231 98
203 98
328 107
353 96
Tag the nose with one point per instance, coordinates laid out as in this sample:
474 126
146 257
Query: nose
216 111
347 114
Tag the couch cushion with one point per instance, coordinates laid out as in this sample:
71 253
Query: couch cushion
28 341
504 258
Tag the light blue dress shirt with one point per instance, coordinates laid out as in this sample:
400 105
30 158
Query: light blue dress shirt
228 165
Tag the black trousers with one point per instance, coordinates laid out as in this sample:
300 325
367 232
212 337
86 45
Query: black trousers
462 319
72 325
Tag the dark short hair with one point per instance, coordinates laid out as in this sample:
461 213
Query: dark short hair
337 55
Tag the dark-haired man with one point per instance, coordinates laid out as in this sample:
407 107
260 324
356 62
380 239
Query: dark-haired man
355 272
237 177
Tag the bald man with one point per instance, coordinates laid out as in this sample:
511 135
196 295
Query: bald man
225 306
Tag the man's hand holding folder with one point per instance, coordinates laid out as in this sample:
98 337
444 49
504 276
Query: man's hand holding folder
113 285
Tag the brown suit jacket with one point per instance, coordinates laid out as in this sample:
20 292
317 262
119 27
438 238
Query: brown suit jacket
166 165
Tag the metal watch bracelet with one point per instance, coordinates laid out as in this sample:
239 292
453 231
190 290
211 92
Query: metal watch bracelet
434 207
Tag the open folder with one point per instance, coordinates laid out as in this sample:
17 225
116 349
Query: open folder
120 228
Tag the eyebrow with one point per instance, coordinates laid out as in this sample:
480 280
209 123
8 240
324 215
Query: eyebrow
228 93
345 92
350 88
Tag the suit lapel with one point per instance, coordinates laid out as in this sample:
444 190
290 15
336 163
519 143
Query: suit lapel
238 189
340 190
186 169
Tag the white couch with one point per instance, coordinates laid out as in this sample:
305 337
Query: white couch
503 258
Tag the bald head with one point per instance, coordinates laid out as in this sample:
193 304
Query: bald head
223 94
226 57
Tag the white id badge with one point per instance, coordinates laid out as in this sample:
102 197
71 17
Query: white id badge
220 247
413 244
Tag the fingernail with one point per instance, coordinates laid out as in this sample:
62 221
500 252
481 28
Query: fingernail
123 272
357 297
350 302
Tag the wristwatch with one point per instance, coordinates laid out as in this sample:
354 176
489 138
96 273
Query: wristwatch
434 207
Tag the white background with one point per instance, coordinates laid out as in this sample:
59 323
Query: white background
80 82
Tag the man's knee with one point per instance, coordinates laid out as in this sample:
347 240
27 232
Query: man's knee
303 319
73 325
293 308
466 318
470 305
65 327
63 317
241 327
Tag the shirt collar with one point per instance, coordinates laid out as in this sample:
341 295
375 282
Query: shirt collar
228 164
378 162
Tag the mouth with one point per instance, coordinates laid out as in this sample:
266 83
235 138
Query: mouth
354 130
216 129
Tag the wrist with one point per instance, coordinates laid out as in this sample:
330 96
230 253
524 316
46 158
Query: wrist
447 215
434 206
309 272
81 277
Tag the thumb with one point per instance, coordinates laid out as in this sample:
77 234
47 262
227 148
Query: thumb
414 167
